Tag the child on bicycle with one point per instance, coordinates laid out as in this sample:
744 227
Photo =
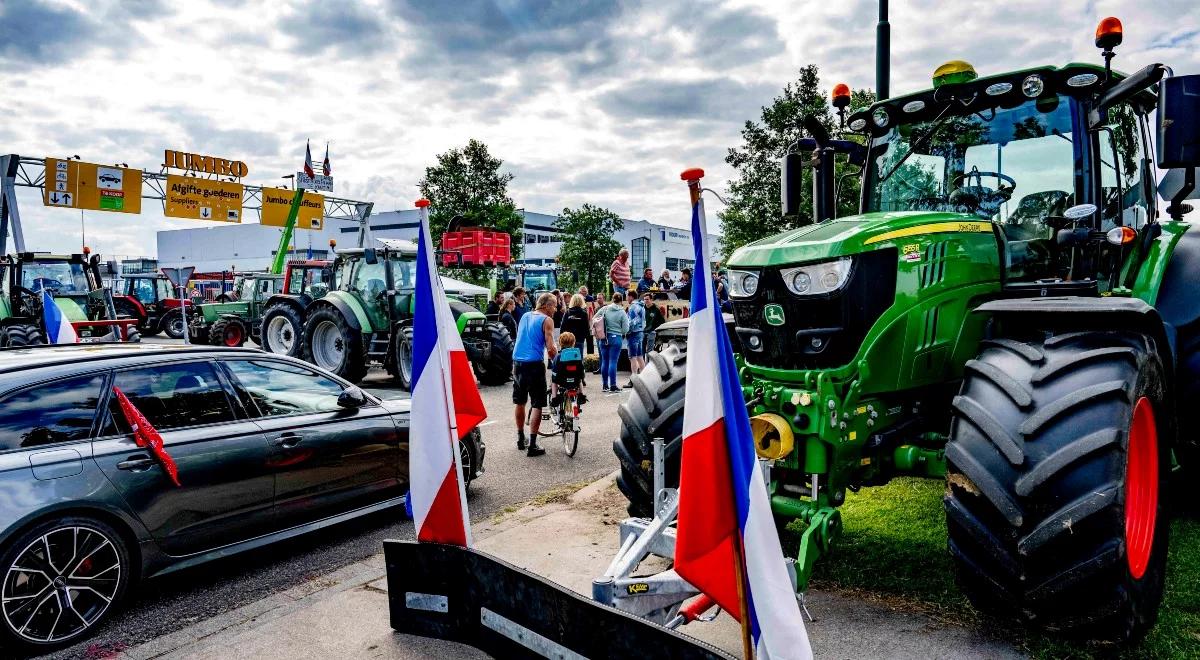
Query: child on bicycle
568 368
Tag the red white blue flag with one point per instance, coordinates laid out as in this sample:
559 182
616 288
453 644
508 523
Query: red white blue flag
445 406
58 329
325 168
308 168
722 494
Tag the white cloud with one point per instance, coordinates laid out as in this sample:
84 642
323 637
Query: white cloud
601 102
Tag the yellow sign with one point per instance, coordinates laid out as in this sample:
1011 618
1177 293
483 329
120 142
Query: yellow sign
206 164
77 185
276 202
203 199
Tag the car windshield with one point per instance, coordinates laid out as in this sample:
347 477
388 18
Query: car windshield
1005 164
58 277
543 280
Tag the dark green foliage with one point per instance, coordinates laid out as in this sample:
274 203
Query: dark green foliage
588 247
468 182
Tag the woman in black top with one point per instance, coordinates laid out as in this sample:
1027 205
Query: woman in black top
507 319
575 320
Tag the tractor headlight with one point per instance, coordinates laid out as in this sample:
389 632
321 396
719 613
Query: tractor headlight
742 283
818 279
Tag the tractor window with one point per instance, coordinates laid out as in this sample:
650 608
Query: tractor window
246 291
368 280
58 277
1123 193
404 272
142 289
164 288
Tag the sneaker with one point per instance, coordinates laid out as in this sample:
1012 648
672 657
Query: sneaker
534 449
628 385
521 441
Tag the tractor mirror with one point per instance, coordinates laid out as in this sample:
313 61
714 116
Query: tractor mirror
1179 122
369 256
327 275
791 178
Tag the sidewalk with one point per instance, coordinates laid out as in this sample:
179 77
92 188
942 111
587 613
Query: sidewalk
569 539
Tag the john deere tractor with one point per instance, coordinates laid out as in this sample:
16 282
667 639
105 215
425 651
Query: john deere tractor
368 318
1013 311
237 317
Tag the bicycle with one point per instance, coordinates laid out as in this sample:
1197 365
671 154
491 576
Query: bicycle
564 409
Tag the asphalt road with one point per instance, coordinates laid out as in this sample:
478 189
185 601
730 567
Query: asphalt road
157 607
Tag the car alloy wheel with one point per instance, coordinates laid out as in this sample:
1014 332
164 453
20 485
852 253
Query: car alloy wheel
61 584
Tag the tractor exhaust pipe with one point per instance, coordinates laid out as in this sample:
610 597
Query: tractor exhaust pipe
883 54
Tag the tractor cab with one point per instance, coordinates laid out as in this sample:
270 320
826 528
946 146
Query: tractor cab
147 289
313 278
149 299
382 278
76 284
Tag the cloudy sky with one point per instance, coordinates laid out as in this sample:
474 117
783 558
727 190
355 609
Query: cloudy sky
599 101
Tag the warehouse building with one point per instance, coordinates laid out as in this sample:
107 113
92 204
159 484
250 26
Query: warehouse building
252 247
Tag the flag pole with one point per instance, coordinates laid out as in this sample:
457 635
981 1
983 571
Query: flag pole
692 177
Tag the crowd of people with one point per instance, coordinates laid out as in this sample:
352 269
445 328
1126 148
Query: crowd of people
587 324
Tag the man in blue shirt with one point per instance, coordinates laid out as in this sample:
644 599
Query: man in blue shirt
535 338
522 301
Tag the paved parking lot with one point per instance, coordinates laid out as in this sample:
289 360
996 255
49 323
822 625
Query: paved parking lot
158 607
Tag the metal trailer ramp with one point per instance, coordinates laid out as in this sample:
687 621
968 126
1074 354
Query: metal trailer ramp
463 595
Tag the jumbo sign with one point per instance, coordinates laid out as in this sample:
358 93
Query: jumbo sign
207 164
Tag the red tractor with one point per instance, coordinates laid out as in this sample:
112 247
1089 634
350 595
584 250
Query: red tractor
149 298
284 313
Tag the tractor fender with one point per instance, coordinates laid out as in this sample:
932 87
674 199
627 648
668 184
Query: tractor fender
343 307
1066 312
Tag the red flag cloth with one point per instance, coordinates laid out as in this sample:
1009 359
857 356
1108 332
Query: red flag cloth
325 168
145 435
308 168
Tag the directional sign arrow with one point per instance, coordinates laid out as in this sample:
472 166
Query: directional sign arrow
204 212
66 198
54 198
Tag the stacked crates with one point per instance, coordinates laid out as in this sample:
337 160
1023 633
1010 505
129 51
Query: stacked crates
473 246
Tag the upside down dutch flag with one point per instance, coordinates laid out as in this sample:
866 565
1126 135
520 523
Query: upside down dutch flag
445 407
308 166
722 494
58 329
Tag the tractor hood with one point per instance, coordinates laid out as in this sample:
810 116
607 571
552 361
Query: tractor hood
851 235
214 311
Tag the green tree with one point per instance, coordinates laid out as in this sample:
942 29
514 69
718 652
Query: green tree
468 182
753 211
588 246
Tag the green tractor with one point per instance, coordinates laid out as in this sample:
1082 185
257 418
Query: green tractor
368 318
282 324
75 282
237 318
1013 311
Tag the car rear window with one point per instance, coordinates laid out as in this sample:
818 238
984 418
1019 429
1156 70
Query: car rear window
173 396
60 411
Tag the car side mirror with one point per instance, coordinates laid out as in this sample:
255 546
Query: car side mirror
352 397
791 179
1179 122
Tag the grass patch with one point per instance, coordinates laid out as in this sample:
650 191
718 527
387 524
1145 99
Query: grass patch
893 552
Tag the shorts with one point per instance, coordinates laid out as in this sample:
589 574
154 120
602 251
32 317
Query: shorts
529 383
635 344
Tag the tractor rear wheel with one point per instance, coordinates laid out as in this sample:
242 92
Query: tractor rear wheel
172 324
332 344
282 330
654 411
498 368
227 331
20 334
1055 500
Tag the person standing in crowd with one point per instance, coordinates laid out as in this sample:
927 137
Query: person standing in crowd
576 319
683 288
647 282
506 316
519 297
559 309
583 291
654 318
664 281
722 292
614 323
593 307
618 272
637 325
535 339
495 304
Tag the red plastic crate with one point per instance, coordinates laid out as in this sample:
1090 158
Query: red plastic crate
476 247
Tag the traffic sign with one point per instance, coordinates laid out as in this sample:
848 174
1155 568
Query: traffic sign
203 199
80 185
179 277
318 182
276 202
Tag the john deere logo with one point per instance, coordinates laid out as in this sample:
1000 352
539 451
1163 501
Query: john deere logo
773 314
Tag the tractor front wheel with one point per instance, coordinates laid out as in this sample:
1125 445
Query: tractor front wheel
332 344
20 334
1055 499
282 330
227 331
401 364
655 410
498 368
172 324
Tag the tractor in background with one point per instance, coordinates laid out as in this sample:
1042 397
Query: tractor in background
368 317
75 282
238 319
282 325
1013 311
149 298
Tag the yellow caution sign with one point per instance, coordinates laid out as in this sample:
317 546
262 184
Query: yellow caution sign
203 199
74 184
276 202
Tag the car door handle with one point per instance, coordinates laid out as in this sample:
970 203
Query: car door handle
136 463
288 440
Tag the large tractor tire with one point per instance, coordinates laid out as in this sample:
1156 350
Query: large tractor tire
282 330
1056 498
332 344
228 331
20 334
172 324
400 366
498 368
125 308
654 411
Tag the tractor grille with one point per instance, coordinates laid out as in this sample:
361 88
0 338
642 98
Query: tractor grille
819 332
